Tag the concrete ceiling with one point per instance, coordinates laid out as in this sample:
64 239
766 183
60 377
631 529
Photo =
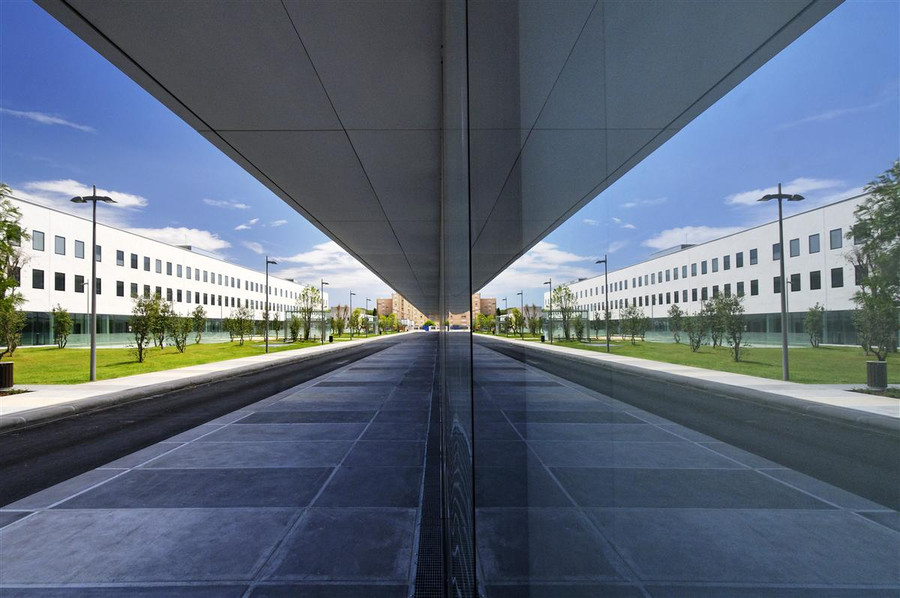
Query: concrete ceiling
336 106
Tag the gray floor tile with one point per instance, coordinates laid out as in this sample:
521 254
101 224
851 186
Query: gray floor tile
889 519
381 548
53 494
540 545
139 545
386 453
401 416
271 415
373 487
765 591
596 432
285 432
7 517
331 591
394 431
656 455
194 433
213 488
560 590
687 488
742 456
574 417
823 490
168 591
495 431
517 485
142 456
753 546
229 455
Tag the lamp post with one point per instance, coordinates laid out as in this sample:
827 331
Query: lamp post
94 198
521 295
785 375
367 317
550 316
322 307
268 261
606 296
350 313
506 313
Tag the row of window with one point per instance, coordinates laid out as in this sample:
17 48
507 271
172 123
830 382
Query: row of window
835 241
703 293
59 247
176 295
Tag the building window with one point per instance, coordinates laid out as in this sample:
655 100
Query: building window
704 295
79 249
815 280
703 267
859 273
158 266
776 284
205 298
79 283
169 295
640 281
178 270
134 290
59 245
726 262
684 295
120 288
669 297
837 278
205 278
220 284
794 246
835 236
134 261
60 284
120 257
814 243
694 269
157 292
187 296
98 253
188 273
37 240
146 263
754 287
739 259
776 251
715 291
147 291
754 257
795 283
740 289
667 275
37 279
653 278
197 274
693 294
178 296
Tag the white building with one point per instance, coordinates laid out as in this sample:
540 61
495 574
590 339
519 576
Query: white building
57 271
746 263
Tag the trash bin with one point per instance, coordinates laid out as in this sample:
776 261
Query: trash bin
876 375
330 338
542 338
6 375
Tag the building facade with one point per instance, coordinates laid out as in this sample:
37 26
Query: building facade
480 305
818 270
407 314
56 271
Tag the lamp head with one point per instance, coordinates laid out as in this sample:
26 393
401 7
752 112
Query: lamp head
104 199
546 282
796 197
78 199
603 261
271 262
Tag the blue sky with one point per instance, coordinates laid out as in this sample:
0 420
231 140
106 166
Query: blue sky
823 115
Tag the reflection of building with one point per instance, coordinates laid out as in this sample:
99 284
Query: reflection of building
486 306
746 263
57 271
405 311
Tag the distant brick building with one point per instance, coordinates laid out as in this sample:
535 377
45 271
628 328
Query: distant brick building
480 305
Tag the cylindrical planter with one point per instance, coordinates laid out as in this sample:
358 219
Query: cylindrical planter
6 375
876 375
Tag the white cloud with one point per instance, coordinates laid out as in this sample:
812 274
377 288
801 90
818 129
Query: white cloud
615 246
531 270
47 119
57 193
617 220
628 225
837 113
591 222
643 203
277 223
329 261
253 246
802 185
623 224
247 225
689 234
202 239
225 203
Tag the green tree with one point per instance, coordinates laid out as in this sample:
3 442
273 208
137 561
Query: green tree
695 328
161 314
179 329
143 316
340 315
578 327
633 322
428 323
516 320
309 301
356 320
731 316
198 317
814 324
675 322
715 323
295 328
564 303
242 323
228 326
12 320
875 321
62 326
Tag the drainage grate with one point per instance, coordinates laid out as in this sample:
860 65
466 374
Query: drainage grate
430 562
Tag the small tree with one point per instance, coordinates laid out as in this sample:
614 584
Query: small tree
675 321
564 303
309 300
12 320
143 316
179 329
578 327
356 319
161 314
876 324
695 328
242 322
731 313
62 326
428 324
295 328
199 322
715 319
516 320
814 324
633 322
276 324
340 315
228 326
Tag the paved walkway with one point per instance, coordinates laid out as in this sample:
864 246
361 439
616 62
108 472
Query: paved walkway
45 395
837 395
580 495
313 492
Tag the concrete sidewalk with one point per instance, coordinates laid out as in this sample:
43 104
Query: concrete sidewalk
51 395
836 395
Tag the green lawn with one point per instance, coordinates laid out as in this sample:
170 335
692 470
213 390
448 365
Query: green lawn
825 365
49 365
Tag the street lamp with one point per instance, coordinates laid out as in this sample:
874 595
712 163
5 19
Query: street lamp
506 313
784 339
550 316
93 199
273 262
521 295
367 317
350 313
322 307
606 295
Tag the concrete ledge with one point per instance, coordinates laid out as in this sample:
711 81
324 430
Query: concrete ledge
182 379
